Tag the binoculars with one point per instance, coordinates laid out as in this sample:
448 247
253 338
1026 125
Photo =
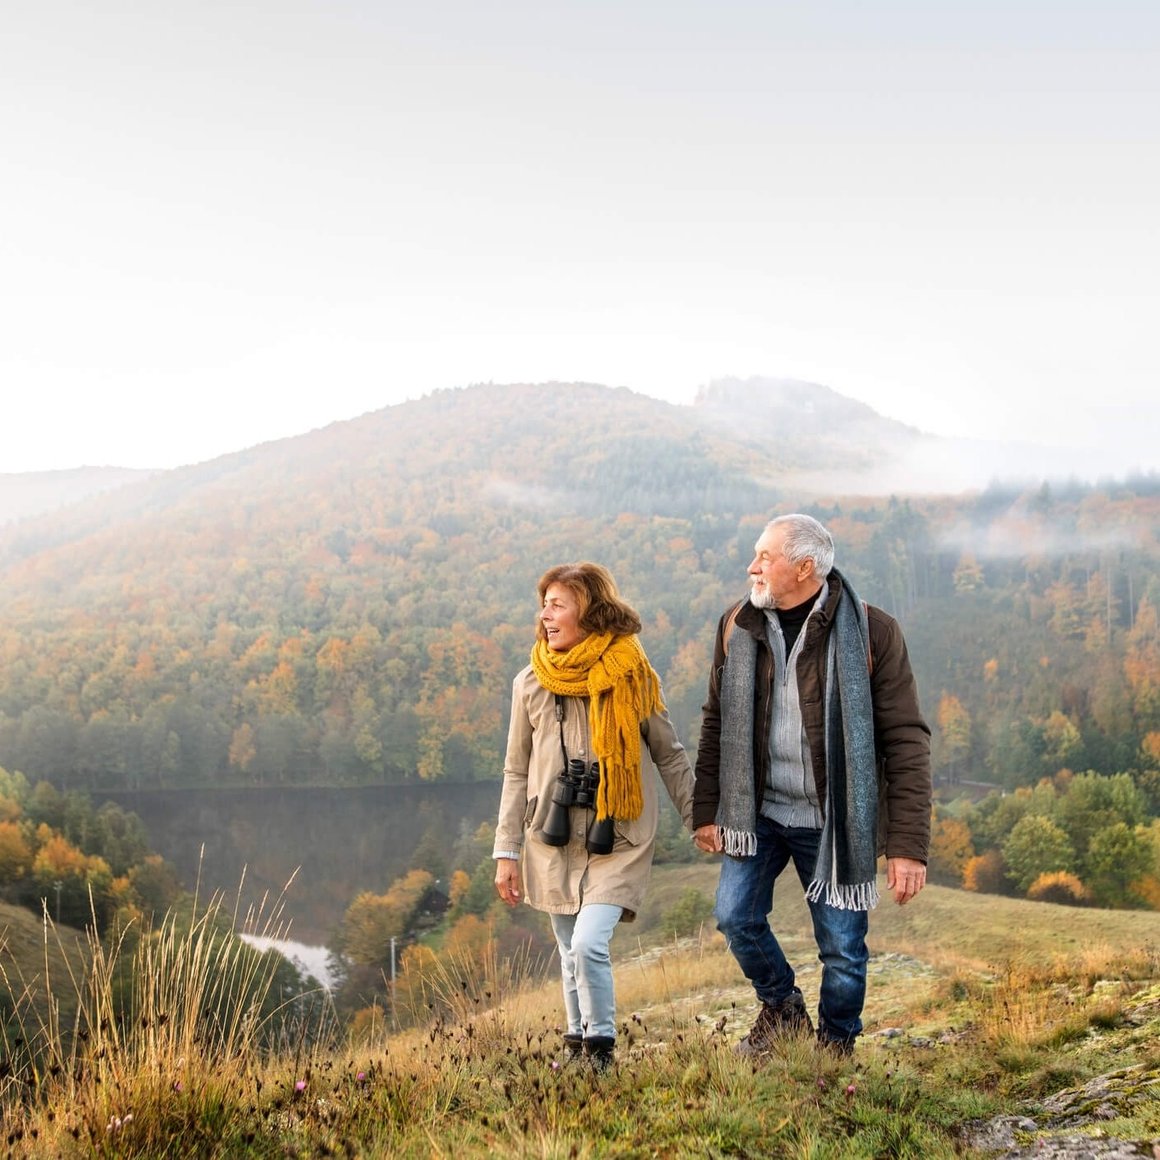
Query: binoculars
576 786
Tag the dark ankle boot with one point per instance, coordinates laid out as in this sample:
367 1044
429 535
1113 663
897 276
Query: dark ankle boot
598 1051
573 1047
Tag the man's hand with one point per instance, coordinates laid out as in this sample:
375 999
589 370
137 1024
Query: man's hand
708 839
906 877
507 880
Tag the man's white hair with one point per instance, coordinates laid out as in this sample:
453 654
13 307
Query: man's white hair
806 539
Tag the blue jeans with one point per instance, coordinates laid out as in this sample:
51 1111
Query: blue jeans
744 901
586 968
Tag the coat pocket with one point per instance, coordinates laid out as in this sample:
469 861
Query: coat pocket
631 832
530 811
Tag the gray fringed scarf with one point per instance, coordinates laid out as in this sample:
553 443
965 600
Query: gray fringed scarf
845 874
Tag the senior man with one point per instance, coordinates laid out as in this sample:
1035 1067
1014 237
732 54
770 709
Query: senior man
813 750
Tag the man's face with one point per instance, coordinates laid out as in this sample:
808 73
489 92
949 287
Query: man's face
774 581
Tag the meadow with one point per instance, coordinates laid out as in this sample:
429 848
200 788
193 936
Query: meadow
994 1026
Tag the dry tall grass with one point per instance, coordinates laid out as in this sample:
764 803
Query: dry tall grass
180 1011
198 1071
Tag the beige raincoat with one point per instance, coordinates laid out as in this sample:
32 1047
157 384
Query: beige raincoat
558 879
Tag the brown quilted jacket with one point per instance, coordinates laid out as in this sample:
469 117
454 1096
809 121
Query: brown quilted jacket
901 735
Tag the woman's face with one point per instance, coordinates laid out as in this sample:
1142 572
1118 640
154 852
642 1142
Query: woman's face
560 617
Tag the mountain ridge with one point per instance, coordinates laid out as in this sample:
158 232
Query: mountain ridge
818 440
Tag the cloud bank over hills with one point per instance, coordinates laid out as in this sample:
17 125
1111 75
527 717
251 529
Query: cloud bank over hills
785 433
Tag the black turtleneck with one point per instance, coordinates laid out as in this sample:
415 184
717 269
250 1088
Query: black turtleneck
791 621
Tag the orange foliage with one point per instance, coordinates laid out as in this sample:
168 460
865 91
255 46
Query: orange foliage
950 850
367 1024
1147 890
457 888
417 959
468 938
461 701
372 920
58 858
1151 744
1058 886
15 854
984 873
1142 660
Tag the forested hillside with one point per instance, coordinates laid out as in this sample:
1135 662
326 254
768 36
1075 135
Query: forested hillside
349 606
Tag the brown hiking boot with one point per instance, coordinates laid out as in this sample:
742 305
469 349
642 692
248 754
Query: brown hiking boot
774 1022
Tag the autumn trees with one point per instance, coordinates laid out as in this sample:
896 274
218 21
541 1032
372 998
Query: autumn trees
408 947
1073 838
84 865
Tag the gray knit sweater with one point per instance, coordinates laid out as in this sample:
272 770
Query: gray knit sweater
791 798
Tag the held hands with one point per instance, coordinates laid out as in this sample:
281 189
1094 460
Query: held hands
708 839
905 877
507 880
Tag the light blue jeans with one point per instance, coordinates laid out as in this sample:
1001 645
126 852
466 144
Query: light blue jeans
586 968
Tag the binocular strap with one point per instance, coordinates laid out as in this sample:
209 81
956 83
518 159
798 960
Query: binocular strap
560 722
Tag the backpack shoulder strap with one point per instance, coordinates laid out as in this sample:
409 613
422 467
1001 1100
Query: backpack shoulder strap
869 650
730 625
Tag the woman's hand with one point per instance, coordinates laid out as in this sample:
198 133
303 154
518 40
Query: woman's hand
507 880
708 838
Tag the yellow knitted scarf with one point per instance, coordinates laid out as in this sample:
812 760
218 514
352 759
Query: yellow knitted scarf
622 690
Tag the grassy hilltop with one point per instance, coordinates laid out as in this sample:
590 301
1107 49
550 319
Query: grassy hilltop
991 1024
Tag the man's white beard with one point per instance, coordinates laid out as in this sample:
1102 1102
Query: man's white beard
762 599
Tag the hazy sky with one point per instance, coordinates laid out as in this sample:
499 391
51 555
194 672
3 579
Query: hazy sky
227 222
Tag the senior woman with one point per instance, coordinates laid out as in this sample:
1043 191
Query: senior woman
581 709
